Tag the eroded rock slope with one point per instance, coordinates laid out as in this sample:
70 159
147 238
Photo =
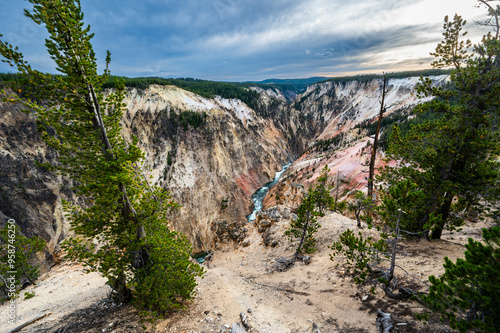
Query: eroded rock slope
212 154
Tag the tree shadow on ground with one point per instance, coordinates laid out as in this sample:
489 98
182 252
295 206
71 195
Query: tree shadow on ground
103 316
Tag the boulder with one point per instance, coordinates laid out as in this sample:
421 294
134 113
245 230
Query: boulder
286 213
269 239
224 231
265 224
273 214
220 227
244 320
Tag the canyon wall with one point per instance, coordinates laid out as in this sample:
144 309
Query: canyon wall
211 153
211 170
211 165
30 194
334 109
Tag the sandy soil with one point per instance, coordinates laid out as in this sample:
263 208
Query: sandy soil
64 289
318 297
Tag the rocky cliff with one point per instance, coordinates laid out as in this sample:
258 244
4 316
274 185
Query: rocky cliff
28 193
334 110
211 166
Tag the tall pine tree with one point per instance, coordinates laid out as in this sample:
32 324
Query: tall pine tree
118 210
452 158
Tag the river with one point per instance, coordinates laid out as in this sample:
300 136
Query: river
261 193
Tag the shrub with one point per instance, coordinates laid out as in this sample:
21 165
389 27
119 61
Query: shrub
359 252
169 277
17 254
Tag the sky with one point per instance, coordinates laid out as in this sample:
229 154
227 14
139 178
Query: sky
243 40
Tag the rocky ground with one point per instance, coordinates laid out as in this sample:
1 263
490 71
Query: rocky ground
241 282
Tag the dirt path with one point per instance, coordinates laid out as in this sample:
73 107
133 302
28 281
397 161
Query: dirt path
318 296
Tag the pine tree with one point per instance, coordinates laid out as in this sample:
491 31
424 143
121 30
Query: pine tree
467 295
118 209
360 203
322 191
452 157
305 225
314 204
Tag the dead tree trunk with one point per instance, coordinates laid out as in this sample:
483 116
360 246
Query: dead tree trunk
371 173
337 191
497 22
384 322
304 233
389 275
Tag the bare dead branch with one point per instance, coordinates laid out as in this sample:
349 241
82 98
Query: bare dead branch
288 290
20 327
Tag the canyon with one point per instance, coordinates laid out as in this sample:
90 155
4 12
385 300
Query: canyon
213 167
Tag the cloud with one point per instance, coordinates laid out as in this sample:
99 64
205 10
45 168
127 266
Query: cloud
251 40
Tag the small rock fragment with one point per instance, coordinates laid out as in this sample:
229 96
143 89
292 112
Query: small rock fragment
244 320
237 328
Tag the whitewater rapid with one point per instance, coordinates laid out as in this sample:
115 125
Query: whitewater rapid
261 193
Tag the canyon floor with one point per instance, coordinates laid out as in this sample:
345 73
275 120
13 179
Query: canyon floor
318 297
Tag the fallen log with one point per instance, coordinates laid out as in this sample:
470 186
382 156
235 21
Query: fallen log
291 291
18 328
327 290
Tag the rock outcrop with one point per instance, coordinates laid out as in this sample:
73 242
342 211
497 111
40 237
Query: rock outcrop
224 232
29 193
271 224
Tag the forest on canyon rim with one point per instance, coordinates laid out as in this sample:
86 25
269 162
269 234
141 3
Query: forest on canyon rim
118 163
